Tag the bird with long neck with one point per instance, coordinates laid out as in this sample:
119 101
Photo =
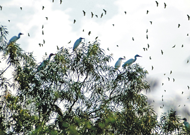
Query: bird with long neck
14 39
130 61
44 63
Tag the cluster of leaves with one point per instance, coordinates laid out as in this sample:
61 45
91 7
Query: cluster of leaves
76 93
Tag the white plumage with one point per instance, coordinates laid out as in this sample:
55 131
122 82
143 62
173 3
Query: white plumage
118 63
77 43
130 61
14 39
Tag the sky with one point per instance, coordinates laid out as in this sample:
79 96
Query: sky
162 34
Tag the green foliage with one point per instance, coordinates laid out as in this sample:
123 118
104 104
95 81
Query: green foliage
76 93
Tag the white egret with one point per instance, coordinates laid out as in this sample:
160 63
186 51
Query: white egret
130 61
187 126
118 63
77 42
14 39
44 63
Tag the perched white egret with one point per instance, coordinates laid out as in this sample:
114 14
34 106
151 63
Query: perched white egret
44 63
14 39
187 126
118 63
77 42
130 61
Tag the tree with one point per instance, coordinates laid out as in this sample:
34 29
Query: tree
76 93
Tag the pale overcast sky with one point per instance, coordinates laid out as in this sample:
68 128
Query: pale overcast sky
163 34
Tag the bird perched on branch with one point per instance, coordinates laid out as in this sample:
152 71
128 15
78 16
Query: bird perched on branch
77 43
187 126
118 63
130 61
44 63
14 39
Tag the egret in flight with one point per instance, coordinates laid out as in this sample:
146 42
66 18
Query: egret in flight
130 61
14 39
44 63
77 42
118 63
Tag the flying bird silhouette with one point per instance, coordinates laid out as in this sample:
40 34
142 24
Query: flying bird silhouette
40 44
42 32
150 57
147 12
96 16
133 39
42 7
156 3
150 22
74 21
165 5
28 34
101 15
89 33
181 45
69 42
146 30
178 25
84 12
60 1
46 18
148 45
20 8
173 46
162 52
105 11
43 41
92 15
8 20
147 36
125 12
173 80
188 17
42 26
1 7
113 24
